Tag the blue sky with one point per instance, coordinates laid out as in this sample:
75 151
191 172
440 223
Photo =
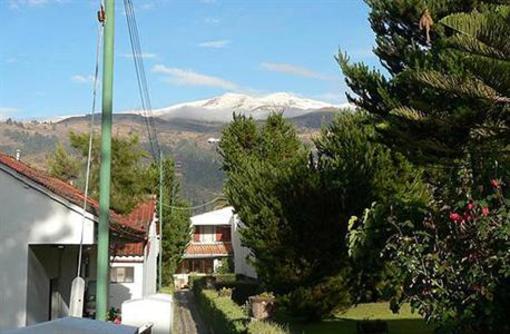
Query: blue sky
193 49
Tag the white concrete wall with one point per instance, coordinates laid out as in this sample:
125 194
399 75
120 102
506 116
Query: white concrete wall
120 292
241 254
150 270
29 216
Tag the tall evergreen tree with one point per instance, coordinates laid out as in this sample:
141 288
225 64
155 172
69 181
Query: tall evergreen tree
445 126
296 204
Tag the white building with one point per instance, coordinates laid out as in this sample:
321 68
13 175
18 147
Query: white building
215 239
40 232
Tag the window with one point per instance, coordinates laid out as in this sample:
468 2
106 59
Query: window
122 275
223 234
207 234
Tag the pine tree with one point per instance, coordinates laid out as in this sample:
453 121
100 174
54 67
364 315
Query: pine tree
295 203
63 165
176 218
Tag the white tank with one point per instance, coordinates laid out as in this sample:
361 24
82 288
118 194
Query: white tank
155 309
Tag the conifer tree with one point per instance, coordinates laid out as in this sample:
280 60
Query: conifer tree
434 105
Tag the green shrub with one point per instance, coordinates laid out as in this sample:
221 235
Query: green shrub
265 327
221 314
241 289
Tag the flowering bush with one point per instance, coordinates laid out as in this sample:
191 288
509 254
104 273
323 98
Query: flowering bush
455 268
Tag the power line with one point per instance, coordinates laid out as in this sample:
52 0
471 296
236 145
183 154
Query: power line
142 79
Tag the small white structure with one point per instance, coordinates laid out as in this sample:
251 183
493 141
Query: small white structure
215 239
155 309
133 271
40 232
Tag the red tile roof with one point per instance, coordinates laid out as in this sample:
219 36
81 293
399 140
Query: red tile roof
132 225
196 249
131 249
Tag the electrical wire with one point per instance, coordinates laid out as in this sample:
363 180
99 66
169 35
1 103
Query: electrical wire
142 79
196 206
91 138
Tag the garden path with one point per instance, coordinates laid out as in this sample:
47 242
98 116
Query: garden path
188 319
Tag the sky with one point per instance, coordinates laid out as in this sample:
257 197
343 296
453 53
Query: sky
192 49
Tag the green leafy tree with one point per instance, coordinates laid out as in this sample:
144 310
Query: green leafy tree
455 266
63 165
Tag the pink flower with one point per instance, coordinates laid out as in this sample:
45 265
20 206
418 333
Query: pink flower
470 206
117 321
485 212
495 184
455 217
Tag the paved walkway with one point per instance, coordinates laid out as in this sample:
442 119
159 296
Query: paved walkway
188 319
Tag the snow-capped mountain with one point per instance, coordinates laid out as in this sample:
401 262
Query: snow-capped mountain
220 108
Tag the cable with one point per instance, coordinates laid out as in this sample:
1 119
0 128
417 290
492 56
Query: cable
142 79
194 207
91 136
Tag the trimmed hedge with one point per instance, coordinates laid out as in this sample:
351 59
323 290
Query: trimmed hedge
221 313
259 327
241 288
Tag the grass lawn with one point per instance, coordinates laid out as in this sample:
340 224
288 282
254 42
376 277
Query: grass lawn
404 322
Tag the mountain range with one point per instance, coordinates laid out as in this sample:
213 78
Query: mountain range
184 132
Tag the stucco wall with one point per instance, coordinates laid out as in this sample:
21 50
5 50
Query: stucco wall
28 216
241 254
151 262
120 292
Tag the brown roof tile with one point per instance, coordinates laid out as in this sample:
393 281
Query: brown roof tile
132 225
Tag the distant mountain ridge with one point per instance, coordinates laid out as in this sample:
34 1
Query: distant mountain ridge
221 108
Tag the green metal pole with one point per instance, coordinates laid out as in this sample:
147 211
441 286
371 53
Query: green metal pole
160 264
103 256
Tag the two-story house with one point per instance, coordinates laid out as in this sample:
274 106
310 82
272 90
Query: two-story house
215 239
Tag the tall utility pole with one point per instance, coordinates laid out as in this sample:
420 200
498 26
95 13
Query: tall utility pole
160 259
103 256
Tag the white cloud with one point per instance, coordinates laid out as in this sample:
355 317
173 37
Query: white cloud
144 55
78 78
218 44
187 77
294 70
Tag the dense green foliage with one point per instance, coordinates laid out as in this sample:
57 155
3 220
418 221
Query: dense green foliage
455 267
285 194
445 106
438 105
221 314
258 327
129 172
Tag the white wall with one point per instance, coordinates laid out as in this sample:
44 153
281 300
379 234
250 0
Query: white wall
151 261
120 292
241 254
28 216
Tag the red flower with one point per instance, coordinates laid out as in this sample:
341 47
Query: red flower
485 212
470 206
495 184
455 217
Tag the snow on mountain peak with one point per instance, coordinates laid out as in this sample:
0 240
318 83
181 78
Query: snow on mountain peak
220 108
